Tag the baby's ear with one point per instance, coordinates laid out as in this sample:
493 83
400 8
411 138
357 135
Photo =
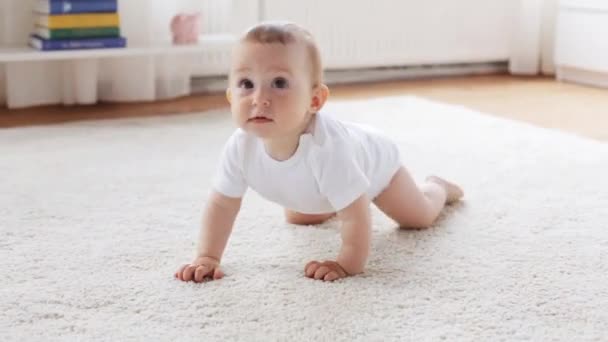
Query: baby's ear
319 95
229 95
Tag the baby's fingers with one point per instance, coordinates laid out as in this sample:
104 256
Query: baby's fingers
188 273
218 274
311 268
321 272
201 272
331 276
180 273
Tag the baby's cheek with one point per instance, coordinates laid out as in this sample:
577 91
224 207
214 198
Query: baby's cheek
293 97
239 111
281 93
243 103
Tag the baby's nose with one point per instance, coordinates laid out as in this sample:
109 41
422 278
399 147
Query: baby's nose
261 99
261 102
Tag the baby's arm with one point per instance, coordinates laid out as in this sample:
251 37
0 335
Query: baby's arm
355 231
218 220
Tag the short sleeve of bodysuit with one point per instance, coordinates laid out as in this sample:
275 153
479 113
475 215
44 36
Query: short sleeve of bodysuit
229 178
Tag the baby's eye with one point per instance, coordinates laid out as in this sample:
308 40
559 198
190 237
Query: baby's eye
245 83
280 83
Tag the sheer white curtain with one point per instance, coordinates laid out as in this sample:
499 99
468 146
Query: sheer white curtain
2 85
11 12
533 40
88 81
146 78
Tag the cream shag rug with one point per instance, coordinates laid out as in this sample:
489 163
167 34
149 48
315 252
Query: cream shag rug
95 217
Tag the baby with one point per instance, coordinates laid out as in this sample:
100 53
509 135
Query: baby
306 161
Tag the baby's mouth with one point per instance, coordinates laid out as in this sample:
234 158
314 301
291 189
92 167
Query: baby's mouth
259 119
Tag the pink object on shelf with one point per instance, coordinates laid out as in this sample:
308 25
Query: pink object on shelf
185 28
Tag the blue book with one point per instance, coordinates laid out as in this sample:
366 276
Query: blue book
75 6
77 44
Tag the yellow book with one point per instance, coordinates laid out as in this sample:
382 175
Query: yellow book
78 20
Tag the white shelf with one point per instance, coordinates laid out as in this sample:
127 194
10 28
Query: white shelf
28 54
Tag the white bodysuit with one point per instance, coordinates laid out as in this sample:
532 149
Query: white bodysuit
334 164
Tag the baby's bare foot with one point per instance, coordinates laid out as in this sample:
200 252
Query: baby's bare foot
454 192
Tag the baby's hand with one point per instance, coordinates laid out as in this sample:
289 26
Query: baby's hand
202 268
326 270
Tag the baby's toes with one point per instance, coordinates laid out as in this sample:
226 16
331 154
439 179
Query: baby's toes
453 191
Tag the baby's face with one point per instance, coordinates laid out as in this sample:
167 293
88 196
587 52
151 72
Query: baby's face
270 89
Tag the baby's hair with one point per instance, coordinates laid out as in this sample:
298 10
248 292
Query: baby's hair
288 33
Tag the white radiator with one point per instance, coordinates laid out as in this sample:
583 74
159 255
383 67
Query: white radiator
380 33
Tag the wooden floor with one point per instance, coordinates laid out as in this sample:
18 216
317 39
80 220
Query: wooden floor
540 101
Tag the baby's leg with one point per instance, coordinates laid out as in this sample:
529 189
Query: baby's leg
414 206
295 217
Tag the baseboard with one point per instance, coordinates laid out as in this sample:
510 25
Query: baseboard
200 85
582 76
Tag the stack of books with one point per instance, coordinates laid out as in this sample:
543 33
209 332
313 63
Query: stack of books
76 24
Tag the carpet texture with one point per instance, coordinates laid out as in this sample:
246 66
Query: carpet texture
95 217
